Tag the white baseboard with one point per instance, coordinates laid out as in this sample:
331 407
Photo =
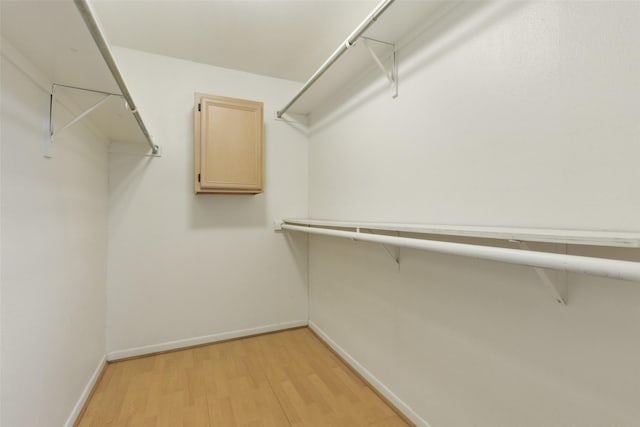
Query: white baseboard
75 412
376 383
207 339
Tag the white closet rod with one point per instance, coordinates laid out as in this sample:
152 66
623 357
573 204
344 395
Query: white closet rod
353 37
616 269
91 22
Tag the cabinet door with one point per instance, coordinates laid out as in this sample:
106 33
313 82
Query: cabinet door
228 145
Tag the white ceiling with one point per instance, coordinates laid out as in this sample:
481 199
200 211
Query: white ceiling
288 39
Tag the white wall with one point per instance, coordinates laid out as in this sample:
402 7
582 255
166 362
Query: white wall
194 268
509 113
53 268
512 114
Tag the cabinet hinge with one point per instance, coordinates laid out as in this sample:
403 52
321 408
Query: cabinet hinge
198 177
198 107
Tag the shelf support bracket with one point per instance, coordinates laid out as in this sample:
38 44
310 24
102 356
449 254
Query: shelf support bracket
53 132
390 74
393 251
557 288
48 137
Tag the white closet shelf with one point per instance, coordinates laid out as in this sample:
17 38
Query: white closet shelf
571 237
540 261
389 26
61 48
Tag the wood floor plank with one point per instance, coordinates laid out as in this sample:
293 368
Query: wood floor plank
282 379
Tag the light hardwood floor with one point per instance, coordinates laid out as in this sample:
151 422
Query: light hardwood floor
282 379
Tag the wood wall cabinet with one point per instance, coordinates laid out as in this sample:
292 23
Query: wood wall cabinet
229 143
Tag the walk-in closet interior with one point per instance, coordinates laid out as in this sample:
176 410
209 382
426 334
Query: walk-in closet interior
320 213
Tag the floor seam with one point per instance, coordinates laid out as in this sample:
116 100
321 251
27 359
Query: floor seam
279 402
266 376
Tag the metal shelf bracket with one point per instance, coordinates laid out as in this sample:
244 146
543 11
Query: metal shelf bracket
53 132
393 251
80 116
558 288
392 73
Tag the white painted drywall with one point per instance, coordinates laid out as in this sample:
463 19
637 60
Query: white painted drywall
185 267
53 265
514 114
467 342
509 114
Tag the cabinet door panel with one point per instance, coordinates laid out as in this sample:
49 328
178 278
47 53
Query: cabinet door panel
230 145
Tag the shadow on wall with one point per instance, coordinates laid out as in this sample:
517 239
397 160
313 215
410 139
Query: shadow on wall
128 166
225 210
297 244
442 25
228 210
15 112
